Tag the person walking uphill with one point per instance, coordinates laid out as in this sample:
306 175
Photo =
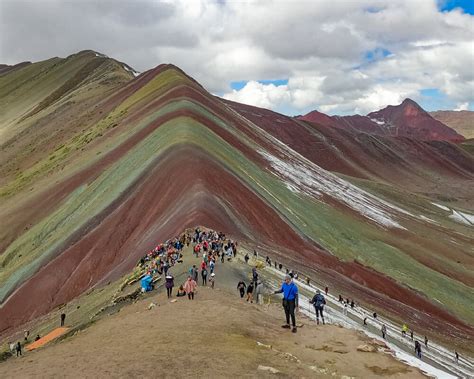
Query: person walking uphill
250 292
418 349
18 349
169 284
318 302
190 286
241 287
290 301
63 318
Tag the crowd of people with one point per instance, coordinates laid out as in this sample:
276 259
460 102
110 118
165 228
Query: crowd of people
211 246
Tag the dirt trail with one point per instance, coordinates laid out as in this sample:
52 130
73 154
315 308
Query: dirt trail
216 335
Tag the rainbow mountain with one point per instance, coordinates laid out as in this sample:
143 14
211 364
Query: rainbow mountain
98 163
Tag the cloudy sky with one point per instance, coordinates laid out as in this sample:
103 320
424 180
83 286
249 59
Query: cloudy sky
338 57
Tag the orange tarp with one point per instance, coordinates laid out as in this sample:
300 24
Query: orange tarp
47 338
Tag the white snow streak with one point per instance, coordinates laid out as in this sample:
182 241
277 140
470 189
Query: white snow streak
463 218
134 73
303 176
458 216
378 122
442 207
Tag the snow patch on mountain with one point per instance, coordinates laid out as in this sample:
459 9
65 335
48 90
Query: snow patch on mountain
377 121
134 73
303 176
462 217
442 207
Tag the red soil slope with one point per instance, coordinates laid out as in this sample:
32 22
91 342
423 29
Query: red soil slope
196 197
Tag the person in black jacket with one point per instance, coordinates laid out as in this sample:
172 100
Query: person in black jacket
241 286
250 292
318 302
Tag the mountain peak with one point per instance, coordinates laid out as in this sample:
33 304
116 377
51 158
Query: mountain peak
407 119
409 101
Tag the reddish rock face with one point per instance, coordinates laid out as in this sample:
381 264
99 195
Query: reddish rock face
405 120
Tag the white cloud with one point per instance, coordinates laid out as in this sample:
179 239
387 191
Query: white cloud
319 46
462 107
261 95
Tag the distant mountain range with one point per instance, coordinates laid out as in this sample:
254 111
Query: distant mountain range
405 120
461 121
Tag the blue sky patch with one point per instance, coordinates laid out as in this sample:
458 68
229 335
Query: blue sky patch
447 5
431 92
433 99
241 84
376 54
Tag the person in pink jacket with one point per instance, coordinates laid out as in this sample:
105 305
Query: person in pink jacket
190 286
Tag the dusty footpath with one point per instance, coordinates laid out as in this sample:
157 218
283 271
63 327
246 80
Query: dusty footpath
216 335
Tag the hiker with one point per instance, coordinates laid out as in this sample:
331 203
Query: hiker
259 292
318 302
352 304
307 280
418 349
247 258
426 341
222 257
341 299
204 276
18 349
181 291
37 337
169 284
326 290
211 265
27 333
255 276
290 301
195 274
411 334
404 330
375 315
191 271
63 318
190 286
12 347
384 331
275 264
241 286
212 280
456 356
344 310
280 266
250 292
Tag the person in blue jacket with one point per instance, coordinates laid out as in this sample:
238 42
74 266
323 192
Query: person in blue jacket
290 301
